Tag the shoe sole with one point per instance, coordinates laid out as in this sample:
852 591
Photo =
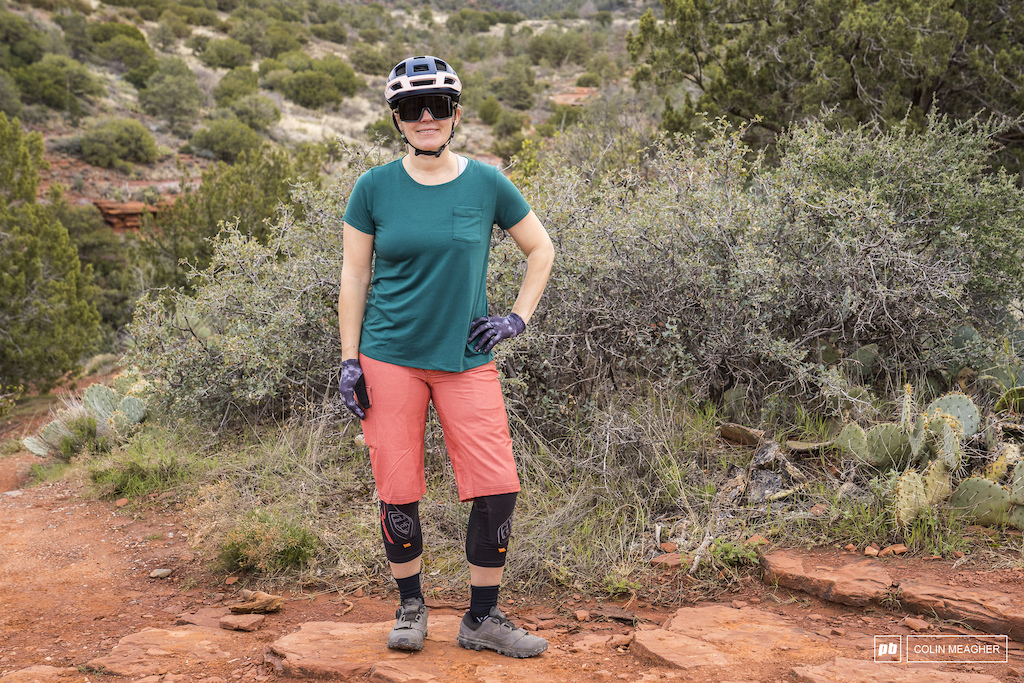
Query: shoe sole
480 645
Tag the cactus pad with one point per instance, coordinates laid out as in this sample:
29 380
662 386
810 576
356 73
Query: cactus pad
984 501
1016 485
133 409
101 401
937 483
888 446
995 470
1015 517
910 498
37 446
853 441
959 406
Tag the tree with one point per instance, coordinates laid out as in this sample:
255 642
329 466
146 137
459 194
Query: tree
226 139
776 63
47 319
249 191
256 111
238 82
173 94
115 142
226 53
59 82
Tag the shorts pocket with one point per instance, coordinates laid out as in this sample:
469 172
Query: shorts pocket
466 223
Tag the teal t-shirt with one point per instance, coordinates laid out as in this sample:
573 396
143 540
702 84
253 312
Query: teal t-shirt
431 245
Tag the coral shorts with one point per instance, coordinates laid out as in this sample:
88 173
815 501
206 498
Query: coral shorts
473 418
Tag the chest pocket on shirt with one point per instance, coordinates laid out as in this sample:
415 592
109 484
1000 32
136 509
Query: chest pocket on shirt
466 223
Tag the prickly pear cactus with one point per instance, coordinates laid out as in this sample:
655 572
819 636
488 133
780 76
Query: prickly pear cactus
1016 484
53 433
888 446
1015 517
984 501
937 483
122 384
36 446
910 498
133 409
919 440
959 406
995 470
101 401
853 441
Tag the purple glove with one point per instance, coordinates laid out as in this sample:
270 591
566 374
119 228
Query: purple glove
494 329
353 387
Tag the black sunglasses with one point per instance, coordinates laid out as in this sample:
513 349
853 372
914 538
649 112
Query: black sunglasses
411 108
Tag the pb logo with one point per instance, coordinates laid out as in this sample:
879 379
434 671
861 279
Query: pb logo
887 649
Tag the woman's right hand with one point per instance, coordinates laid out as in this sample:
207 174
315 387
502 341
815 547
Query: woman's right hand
353 387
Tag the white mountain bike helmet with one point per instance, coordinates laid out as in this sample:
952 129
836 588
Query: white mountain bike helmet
422 76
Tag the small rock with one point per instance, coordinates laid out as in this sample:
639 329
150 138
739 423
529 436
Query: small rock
242 622
819 509
230 581
886 552
121 502
160 573
871 552
851 548
669 547
668 560
357 593
957 554
738 604
582 615
756 540
621 641
899 549
917 625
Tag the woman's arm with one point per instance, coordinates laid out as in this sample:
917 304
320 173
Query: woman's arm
356 269
536 245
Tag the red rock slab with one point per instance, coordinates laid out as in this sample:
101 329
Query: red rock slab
45 674
844 670
722 636
989 611
157 650
858 583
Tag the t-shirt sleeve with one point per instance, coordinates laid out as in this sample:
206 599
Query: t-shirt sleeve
359 210
511 207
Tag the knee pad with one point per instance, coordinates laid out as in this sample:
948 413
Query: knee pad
490 526
400 528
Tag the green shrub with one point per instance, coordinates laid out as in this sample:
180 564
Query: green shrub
236 83
589 80
281 38
265 543
58 82
103 32
256 111
333 31
369 60
226 139
490 110
342 75
311 89
10 96
383 129
226 53
21 43
147 464
112 143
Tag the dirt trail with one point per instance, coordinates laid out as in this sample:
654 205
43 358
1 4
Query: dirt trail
75 581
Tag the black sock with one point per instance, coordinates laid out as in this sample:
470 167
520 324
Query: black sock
409 587
481 600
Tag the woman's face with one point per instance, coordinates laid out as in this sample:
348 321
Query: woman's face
428 133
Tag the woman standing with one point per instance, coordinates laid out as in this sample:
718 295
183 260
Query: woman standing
419 229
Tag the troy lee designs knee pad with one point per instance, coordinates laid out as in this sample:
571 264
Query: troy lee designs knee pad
490 526
400 527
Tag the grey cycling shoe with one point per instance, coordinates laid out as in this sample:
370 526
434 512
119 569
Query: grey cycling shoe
499 634
410 626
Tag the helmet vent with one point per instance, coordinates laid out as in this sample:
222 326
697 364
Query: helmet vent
448 81
417 68
440 66
420 82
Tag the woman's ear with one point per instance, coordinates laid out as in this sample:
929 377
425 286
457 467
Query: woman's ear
458 115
